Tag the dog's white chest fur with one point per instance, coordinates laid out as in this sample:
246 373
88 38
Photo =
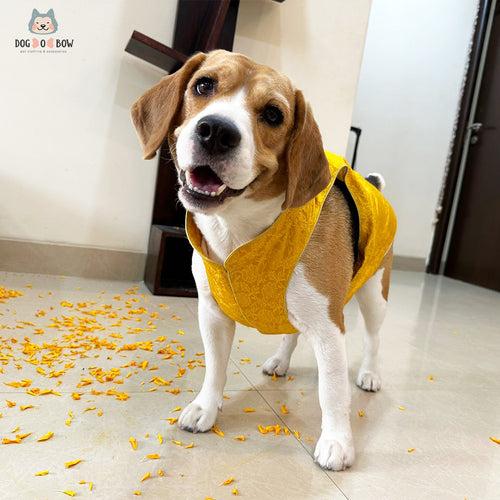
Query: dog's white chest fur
243 221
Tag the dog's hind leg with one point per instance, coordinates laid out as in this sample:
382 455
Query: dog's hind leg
372 300
278 363
217 332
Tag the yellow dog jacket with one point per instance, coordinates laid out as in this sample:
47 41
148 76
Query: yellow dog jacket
250 287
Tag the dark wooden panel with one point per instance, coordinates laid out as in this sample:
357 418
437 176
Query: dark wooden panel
203 25
450 182
154 52
474 254
168 264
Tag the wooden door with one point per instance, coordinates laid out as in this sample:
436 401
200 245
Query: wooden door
474 251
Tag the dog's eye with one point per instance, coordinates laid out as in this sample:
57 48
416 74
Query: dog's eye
204 86
272 115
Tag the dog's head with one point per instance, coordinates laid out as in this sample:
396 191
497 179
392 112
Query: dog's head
236 130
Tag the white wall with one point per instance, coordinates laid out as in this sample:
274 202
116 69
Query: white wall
70 165
408 94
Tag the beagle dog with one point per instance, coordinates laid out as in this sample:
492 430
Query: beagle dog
247 151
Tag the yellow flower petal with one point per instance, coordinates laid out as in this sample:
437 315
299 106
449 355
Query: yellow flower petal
70 493
241 437
218 431
495 440
146 476
190 445
227 481
161 472
153 456
402 408
177 408
235 492
361 413
72 463
41 473
172 420
284 409
20 383
11 441
26 407
410 450
137 493
248 409
160 438
45 437
133 442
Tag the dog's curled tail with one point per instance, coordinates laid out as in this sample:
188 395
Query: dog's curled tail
377 180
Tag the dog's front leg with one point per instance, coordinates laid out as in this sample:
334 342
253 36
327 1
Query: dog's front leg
310 313
217 332
334 449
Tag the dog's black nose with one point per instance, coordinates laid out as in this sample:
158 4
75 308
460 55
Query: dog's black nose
217 134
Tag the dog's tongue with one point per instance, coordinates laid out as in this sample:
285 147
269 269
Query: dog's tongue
205 178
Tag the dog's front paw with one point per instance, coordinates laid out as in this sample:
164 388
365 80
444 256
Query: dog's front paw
368 381
334 452
275 365
198 418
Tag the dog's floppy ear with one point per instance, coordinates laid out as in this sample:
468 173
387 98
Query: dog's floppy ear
307 167
154 112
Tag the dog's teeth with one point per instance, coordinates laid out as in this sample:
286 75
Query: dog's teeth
220 190
192 187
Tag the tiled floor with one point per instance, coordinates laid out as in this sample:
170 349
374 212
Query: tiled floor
436 328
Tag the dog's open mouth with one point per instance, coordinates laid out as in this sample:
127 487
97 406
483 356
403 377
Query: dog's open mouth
203 184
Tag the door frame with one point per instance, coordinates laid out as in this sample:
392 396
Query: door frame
450 191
